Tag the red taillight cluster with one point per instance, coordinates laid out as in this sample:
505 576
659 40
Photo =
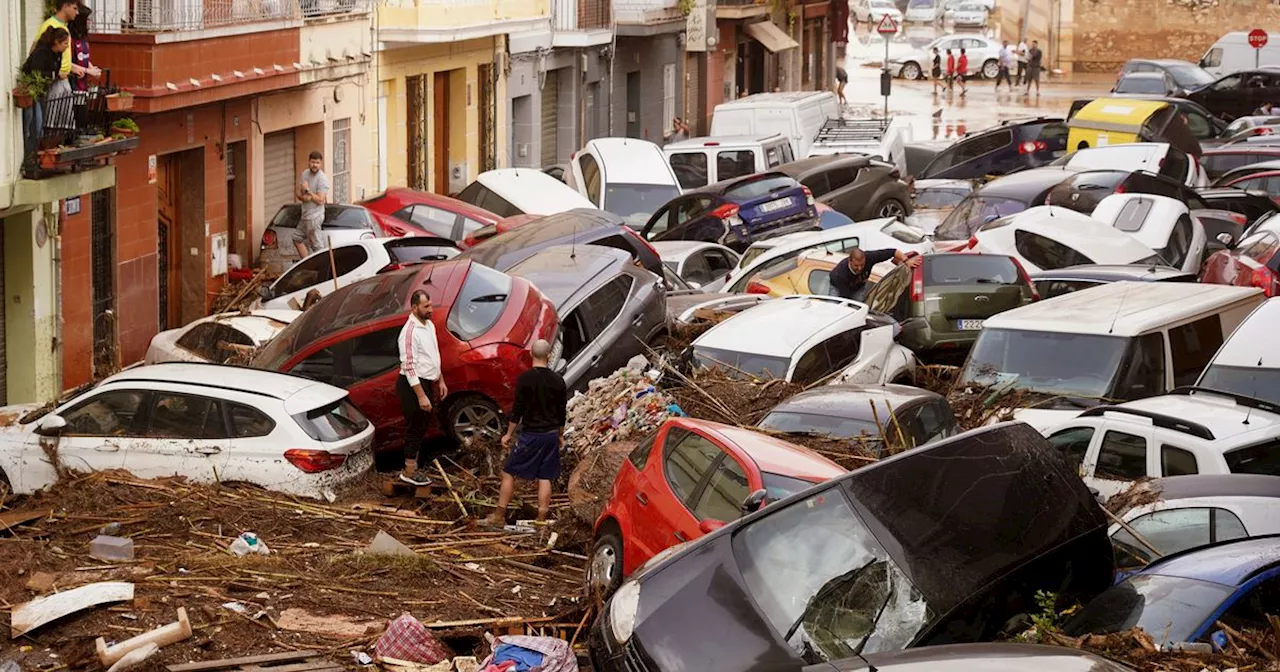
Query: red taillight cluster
392 267
268 239
1265 280
314 461
1239 218
973 242
1029 147
725 211
393 230
1022 273
757 288
917 284
808 195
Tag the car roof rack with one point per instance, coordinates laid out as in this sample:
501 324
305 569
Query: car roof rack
1158 419
1241 399
839 130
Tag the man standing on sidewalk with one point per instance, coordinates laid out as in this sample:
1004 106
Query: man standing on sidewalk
1004 62
420 386
313 189
539 412
1034 59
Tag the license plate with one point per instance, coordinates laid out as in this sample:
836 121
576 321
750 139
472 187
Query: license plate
774 206
969 325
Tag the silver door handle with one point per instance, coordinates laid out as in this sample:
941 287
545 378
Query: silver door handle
107 447
208 450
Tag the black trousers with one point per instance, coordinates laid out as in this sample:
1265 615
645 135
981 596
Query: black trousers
416 420
1003 74
1022 73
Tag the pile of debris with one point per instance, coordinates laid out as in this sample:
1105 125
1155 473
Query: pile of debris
625 405
239 295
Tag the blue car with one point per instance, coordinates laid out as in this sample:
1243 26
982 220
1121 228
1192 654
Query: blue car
1182 597
737 212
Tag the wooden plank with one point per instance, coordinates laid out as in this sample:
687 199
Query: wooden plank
16 518
42 610
247 660
509 620
304 666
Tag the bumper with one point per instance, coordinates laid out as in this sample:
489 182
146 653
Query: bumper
607 655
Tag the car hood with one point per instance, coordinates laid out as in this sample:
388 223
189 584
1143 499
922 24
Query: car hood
680 301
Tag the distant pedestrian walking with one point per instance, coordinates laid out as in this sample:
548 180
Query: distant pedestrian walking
951 70
842 79
1005 61
313 191
936 71
1021 54
420 386
539 413
962 71
1034 58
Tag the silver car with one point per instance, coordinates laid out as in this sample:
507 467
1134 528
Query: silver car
982 52
610 308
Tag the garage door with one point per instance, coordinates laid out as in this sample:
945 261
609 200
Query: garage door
278 172
550 117
4 361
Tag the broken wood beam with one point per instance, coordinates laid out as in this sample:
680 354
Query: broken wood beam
226 663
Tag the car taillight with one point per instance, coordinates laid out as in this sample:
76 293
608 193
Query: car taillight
808 195
917 284
725 211
314 461
1239 218
757 288
1028 147
396 266
973 242
393 230
643 242
269 238
1026 277
1265 280
1120 189
1262 130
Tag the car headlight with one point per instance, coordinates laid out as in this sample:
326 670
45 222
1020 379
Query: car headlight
622 611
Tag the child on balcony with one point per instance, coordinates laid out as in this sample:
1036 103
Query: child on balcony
45 59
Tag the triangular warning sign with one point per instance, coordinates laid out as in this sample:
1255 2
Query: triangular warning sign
887 26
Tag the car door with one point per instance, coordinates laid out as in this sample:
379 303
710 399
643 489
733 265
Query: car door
661 221
1119 457
696 270
185 435
1219 97
720 262
846 196
723 491
1173 531
1072 444
317 272
612 344
687 458
101 428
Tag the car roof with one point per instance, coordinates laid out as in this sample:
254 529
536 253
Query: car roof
723 186
776 97
1135 153
1249 345
986 657
509 247
407 195
1121 308
1171 488
1229 563
721 140
787 324
532 190
797 168
771 454
1145 75
1019 184
1252 168
299 394
1159 61
631 160
803 239
1222 415
851 401
1111 272
561 271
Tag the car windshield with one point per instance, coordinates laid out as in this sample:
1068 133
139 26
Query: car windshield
972 213
779 487
1080 373
939 198
825 584
1250 381
636 203
1170 609
338 421
480 303
821 425
1189 76
756 187
1141 84
741 362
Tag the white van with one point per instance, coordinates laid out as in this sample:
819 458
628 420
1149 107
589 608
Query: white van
797 114
1247 364
508 192
1111 343
1232 53
628 177
698 162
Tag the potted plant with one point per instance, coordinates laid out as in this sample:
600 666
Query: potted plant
48 158
120 101
124 128
31 86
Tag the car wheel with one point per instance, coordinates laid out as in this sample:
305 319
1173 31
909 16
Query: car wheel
991 69
472 417
604 573
911 71
891 207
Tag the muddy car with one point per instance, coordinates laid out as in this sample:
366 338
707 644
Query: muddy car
865 564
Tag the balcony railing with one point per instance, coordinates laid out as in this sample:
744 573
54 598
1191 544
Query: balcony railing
155 16
580 14
69 132
646 11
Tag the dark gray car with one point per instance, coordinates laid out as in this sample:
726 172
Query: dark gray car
852 411
859 187
609 307
581 226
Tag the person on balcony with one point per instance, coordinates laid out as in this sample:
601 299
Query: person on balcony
79 29
45 59
64 12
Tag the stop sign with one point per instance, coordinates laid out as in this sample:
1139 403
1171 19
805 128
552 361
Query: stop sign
1257 38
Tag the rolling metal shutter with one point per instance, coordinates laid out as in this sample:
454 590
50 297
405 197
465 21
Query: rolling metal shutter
550 117
278 174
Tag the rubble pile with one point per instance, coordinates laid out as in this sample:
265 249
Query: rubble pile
626 404
241 294
715 394
1245 650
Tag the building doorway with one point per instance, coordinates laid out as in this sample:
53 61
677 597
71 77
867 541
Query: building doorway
238 203
440 108
103 274
181 249
633 104
550 118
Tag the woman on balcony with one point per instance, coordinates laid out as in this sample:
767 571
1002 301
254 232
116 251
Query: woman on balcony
46 59
86 70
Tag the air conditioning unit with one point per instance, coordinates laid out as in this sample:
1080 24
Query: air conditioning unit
160 15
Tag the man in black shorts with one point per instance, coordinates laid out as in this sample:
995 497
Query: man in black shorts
842 78
937 70
539 412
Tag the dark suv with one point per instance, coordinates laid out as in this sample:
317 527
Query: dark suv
859 187
1009 147
737 212
582 226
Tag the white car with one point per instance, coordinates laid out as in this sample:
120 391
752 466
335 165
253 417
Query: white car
924 11
983 56
698 263
1191 432
1048 237
1153 157
1246 364
217 338
806 339
969 14
1180 513
342 224
1164 224
508 192
352 262
872 11
626 176
205 422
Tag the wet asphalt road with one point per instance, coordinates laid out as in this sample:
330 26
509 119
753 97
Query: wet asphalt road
915 101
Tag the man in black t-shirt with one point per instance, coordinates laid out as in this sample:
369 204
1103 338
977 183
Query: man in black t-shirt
539 412
849 277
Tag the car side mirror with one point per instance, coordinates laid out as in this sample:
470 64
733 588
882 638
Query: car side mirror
51 425
265 292
1225 239
710 525
754 502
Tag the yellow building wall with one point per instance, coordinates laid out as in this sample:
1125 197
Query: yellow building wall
461 14
461 60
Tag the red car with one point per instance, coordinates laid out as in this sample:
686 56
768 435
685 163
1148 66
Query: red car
501 226
690 478
408 212
1254 262
1266 180
485 321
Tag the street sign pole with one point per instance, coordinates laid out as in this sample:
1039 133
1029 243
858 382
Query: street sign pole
1257 39
886 28
885 76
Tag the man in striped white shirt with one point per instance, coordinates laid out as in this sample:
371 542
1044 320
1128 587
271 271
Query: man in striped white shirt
420 385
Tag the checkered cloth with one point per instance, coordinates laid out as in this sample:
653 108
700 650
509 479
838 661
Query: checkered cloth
407 639
556 654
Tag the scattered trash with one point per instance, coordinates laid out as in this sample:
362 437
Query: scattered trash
408 639
111 549
311 661
475 567
385 544
461 664
361 658
247 543
162 636
31 615
10 666
237 607
111 529
135 657
545 654
397 665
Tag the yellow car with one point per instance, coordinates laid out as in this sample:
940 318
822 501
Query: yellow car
807 274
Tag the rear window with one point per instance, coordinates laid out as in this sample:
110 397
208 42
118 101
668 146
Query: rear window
1142 84
751 189
480 303
975 211
335 217
790 422
338 421
734 362
414 253
481 196
1260 459
967 269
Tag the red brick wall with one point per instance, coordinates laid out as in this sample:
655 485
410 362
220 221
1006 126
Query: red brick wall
137 61
77 298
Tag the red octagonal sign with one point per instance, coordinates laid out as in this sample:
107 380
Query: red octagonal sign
1257 38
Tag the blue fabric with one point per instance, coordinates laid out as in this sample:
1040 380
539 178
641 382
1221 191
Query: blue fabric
525 659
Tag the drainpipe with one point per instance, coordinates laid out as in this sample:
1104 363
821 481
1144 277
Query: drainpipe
613 58
55 239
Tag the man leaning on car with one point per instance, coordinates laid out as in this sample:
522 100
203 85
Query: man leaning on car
849 279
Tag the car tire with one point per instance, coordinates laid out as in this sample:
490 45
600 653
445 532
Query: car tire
472 415
891 207
6 487
911 70
990 69
604 570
